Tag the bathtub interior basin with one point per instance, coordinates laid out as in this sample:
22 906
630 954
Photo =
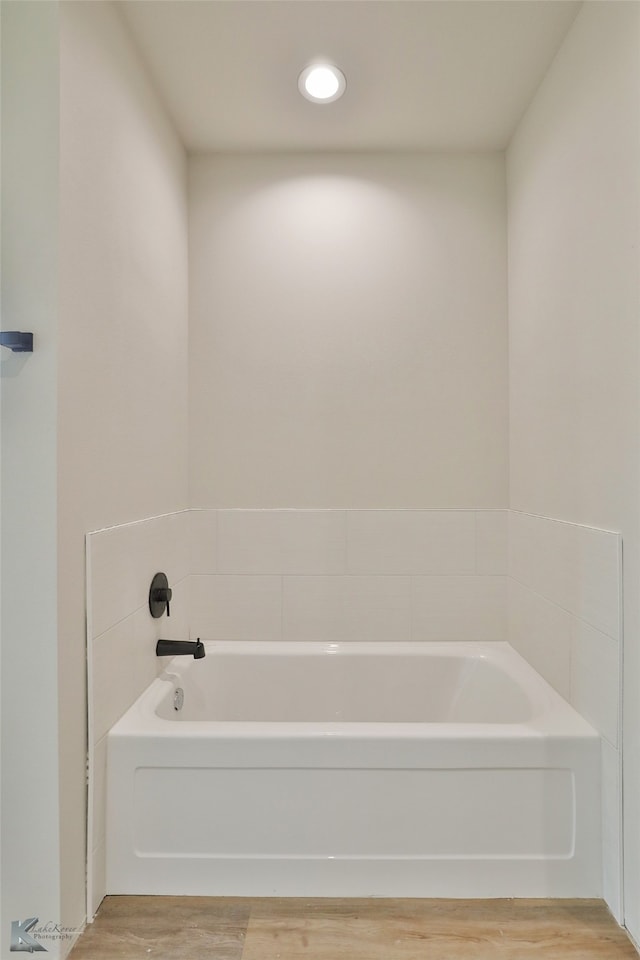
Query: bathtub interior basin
356 682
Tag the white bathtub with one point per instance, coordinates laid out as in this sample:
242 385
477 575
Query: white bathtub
326 769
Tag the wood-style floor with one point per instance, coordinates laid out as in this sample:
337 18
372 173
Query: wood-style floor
212 928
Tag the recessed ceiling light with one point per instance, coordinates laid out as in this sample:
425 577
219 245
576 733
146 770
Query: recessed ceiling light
322 83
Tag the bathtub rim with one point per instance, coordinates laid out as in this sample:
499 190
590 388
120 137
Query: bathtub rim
553 717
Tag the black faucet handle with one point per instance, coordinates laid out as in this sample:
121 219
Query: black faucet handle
160 593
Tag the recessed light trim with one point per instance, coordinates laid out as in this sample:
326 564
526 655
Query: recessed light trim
322 83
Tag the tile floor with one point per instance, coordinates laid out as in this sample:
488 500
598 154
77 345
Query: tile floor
221 928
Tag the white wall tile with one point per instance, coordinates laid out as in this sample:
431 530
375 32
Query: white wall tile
281 541
542 633
347 608
146 632
313 541
595 578
576 567
166 546
249 542
492 529
124 560
160 544
203 541
123 660
236 607
114 589
459 608
517 548
611 830
437 542
113 687
176 626
539 556
595 679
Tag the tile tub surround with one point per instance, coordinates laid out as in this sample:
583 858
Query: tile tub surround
348 574
121 638
565 618
274 574
550 588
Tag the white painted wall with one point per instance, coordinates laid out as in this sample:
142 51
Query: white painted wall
348 331
122 360
574 308
29 870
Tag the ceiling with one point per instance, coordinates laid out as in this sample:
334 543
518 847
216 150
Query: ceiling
433 75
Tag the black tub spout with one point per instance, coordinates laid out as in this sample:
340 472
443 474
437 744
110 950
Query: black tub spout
172 648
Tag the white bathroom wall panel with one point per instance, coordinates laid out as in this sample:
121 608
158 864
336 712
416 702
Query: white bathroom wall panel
287 541
492 532
348 574
332 542
576 567
236 607
121 641
566 609
595 679
348 331
574 303
459 608
346 608
124 661
411 542
542 632
565 618
203 541
122 355
124 560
